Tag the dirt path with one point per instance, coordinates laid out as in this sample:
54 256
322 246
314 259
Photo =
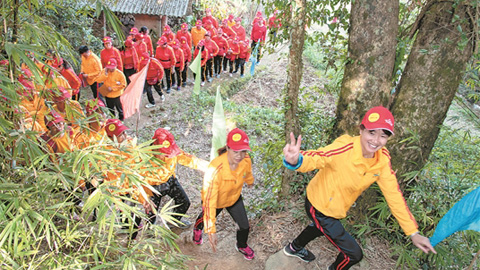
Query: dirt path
269 232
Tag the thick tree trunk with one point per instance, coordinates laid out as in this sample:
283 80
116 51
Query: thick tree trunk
429 82
367 80
294 77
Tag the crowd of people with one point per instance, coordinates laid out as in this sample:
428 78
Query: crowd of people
345 168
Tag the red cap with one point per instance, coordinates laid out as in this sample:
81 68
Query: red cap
144 57
139 36
378 118
163 40
128 43
107 39
199 22
112 63
259 14
167 142
238 19
237 140
133 31
176 43
167 29
184 26
93 104
62 94
53 118
114 127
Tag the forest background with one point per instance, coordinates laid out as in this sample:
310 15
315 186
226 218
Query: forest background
419 58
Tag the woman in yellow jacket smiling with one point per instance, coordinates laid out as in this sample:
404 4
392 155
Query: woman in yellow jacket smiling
222 187
346 168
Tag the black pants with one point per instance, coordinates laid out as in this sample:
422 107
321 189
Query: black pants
259 49
239 215
95 93
203 70
115 103
128 72
240 62
209 68
168 77
217 62
350 252
178 80
174 190
225 62
148 88
184 74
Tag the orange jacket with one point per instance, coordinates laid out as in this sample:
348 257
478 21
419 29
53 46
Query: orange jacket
343 174
222 187
116 80
72 78
197 35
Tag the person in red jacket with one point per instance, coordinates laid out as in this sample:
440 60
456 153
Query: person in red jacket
346 168
179 65
167 32
73 80
213 49
187 53
274 24
259 32
239 30
243 57
232 53
140 45
147 39
258 17
209 17
155 74
183 32
227 30
210 28
231 20
110 52
130 60
166 56
222 44
204 57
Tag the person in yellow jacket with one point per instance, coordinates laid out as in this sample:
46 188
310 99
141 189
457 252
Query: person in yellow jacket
165 180
90 69
346 168
114 82
222 187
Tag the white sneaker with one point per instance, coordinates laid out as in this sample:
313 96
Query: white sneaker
149 105
202 84
162 98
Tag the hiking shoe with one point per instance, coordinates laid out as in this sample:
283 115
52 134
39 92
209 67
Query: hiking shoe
186 224
202 83
162 97
197 236
247 252
210 79
184 84
303 254
149 105
168 90
241 76
174 86
178 88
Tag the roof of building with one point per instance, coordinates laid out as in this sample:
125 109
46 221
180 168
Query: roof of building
172 8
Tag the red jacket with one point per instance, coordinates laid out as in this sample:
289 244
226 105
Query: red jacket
274 22
148 41
212 19
212 48
222 45
72 78
234 50
244 50
106 54
180 58
141 47
204 55
155 71
166 56
187 35
229 31
187 52
240 31
258 33
130 58
170 36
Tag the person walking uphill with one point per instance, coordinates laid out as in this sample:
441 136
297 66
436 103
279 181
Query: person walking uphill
114 82
222 187
347 167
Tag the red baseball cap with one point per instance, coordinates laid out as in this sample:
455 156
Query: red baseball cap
379 118
114 127
112 63
237 140
93 104
167 142
199 22
107 39
184 26
128 43
53 118
163 40
139 36
167 29
133 31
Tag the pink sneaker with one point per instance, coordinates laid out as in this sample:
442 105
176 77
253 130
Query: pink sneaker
247 252
197 236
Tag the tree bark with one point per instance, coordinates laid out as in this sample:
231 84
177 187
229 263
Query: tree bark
294 77
367 80
430 80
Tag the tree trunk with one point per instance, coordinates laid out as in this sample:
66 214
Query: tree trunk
430 80
294 77
367 80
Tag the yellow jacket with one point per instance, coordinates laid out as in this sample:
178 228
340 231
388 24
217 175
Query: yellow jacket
343 174
92 66
222 187
116 80
197 35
